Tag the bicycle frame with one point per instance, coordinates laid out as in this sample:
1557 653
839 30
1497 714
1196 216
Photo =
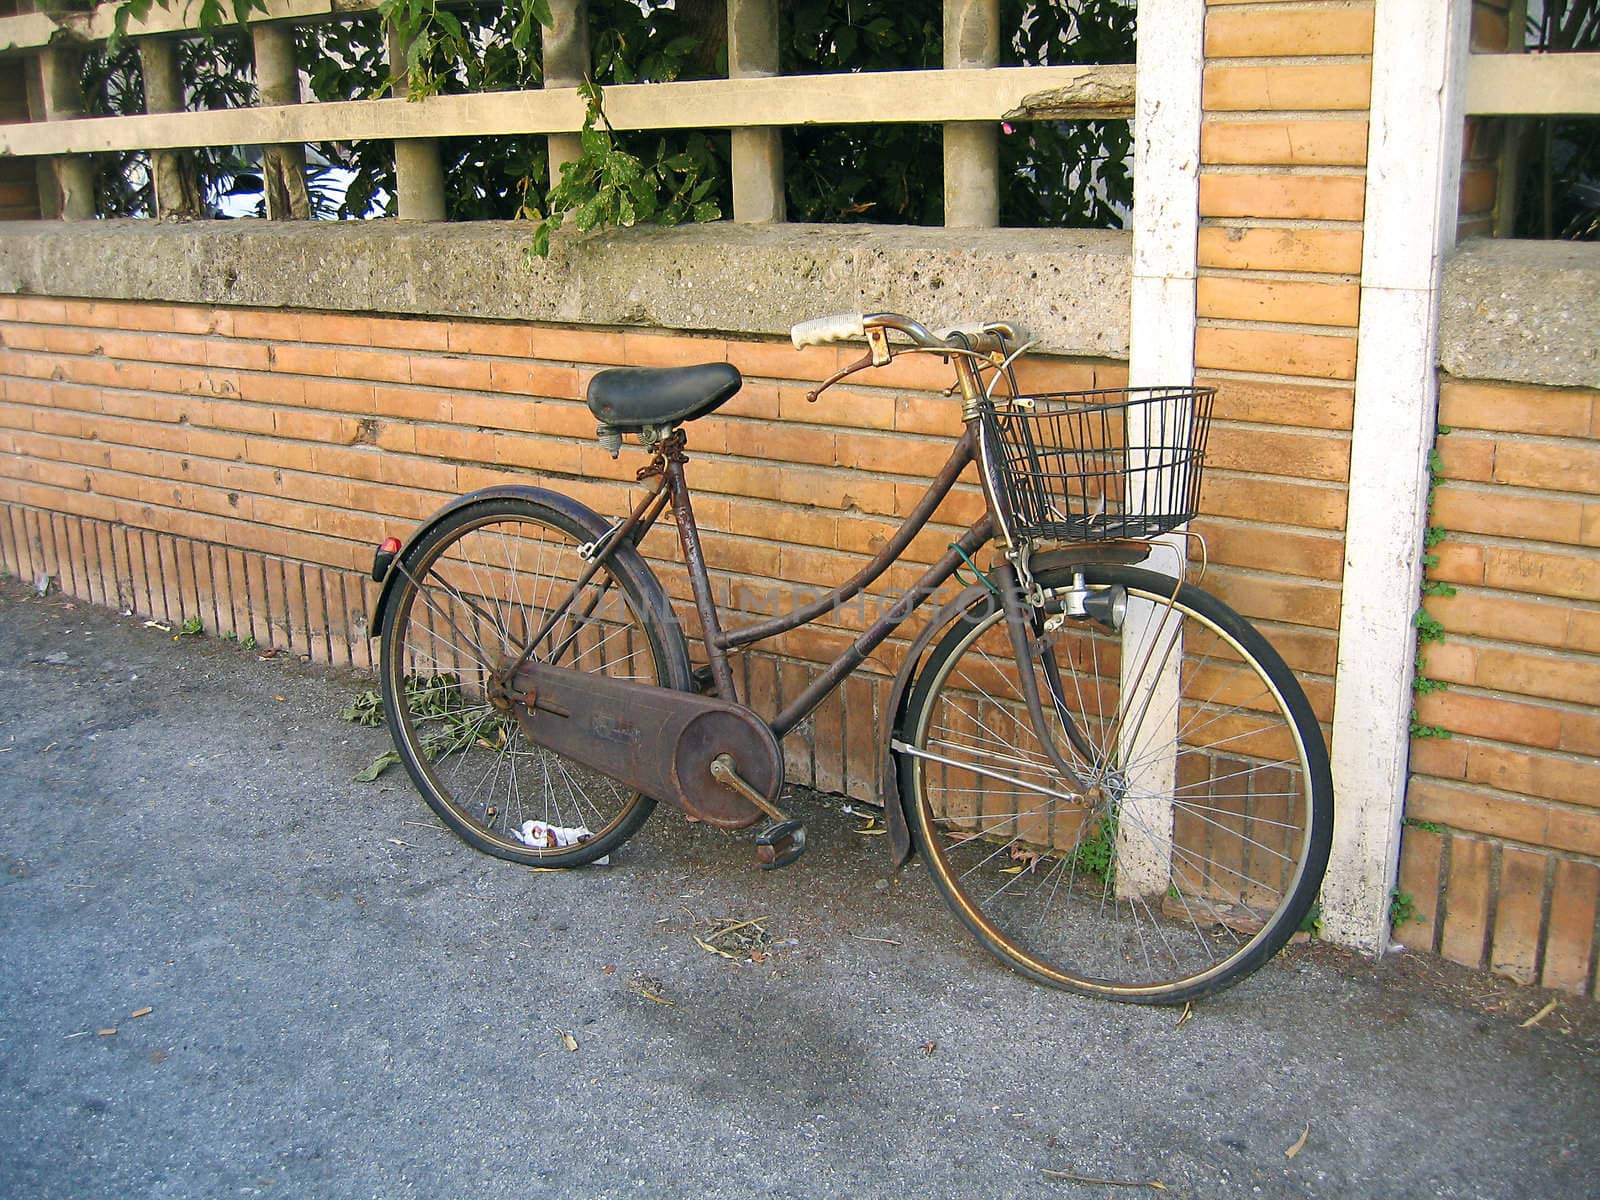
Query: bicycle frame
672 489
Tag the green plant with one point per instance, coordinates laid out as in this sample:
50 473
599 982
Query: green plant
1096 851
365 709
1402 909
192 627
1429 628
454 723
1425 826
606 185
1311 923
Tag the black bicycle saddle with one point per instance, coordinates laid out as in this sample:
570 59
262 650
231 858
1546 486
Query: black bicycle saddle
632 397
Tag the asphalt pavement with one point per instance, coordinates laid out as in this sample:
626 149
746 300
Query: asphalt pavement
227 969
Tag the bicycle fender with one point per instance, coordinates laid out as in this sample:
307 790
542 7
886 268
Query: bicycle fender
581 513
889 794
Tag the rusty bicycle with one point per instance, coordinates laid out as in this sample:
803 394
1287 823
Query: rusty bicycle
1116 782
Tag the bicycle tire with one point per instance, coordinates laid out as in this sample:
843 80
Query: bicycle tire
1037 880
471 590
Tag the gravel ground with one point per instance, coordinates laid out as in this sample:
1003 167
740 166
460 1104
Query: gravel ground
343 1000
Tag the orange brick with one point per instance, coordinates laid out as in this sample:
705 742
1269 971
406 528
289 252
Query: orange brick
1571 779
851 408
1466 915
381 366
1491 717
1284 143
1244 33
242 356
1240 299
267 326
919 457
408 333
505 340
490 412
665 350
578 345
1485 510
1301 456
1300 197
411 403
297 359
1582 631
1545 675
1514 951
1297 602
1440 758
1457 562
1275 403
316 427
1246 498
1466 457
1239 545
341 329
534 379
1317 356
1569 944
1514 409
1323 251
1577 830
1326 87
469 373
1575 576
780 360
1554 467
1580 732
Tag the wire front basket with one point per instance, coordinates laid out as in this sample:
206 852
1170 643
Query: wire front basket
1102 465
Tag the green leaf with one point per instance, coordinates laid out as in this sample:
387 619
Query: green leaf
376 767
707 212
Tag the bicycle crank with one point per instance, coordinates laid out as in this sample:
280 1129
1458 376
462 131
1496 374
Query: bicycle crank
780 843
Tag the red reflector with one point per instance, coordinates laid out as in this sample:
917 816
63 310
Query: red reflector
390 545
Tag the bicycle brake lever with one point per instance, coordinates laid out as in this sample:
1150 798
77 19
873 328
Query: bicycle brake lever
860 364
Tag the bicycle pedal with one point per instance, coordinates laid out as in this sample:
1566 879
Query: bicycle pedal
780 844
703 683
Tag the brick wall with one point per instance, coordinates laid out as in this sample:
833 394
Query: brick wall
240 465
1503 831
1282 184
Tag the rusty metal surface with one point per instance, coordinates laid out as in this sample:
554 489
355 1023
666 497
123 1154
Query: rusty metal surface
654 739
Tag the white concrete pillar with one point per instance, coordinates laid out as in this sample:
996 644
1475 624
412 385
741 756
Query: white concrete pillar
1166 231
971 148
757 153
418 173
1413 177
566 63
175 186
283 168
71 180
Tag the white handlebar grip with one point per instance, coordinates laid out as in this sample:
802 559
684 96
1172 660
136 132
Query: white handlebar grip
838 328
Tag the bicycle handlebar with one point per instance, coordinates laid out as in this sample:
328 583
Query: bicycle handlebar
842 327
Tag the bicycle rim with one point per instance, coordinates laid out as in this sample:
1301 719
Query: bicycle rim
476 591
1200 842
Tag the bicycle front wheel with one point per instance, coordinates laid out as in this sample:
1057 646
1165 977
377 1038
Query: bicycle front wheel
1193 841
474 590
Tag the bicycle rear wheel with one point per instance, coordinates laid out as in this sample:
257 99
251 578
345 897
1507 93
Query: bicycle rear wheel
1200 843
474 590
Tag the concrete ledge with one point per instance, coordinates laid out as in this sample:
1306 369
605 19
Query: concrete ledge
1527 312
1068 287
